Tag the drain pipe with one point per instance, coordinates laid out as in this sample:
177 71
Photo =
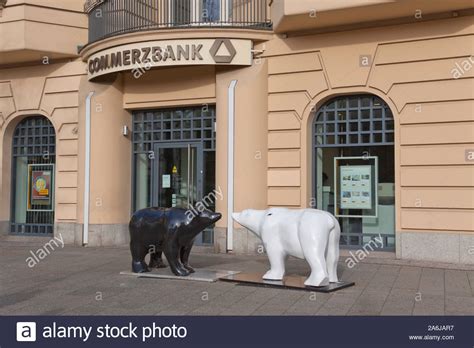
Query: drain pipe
87 171
230 165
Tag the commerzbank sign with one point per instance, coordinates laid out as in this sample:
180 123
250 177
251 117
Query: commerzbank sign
140 57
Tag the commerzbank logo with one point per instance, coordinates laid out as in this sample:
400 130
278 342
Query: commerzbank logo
223 51
150 54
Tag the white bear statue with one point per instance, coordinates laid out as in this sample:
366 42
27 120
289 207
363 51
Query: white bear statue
304 233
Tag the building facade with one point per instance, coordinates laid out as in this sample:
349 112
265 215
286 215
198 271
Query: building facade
362 109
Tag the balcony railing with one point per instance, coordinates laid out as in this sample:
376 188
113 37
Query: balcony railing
115 17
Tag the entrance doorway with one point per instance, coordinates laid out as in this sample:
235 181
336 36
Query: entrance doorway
174 159
33 163
354 168
178 175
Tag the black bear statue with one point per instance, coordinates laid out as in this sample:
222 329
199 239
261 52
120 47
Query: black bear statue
171 231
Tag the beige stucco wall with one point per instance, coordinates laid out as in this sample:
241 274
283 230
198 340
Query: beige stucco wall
411 69
40 74
170 87
209 85
330 15
52 91
36 30
111 154
250 154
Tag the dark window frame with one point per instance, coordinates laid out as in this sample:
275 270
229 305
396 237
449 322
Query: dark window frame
160 126
29 141
327 114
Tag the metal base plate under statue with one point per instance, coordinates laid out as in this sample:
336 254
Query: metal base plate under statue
200 275
288 282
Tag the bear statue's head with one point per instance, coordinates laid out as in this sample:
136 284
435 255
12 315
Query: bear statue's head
251 219
204 218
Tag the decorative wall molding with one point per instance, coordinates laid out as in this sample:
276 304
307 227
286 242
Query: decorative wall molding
89 4
3 4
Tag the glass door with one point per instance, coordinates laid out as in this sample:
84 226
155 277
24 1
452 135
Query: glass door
167 138
177 175
178 179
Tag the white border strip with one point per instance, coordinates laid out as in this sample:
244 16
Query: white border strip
87 171
230 164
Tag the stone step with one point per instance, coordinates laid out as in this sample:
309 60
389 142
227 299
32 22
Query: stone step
25 239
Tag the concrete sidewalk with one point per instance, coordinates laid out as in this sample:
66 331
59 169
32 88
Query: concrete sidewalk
75 281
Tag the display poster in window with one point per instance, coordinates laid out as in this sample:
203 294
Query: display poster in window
40 190
356 187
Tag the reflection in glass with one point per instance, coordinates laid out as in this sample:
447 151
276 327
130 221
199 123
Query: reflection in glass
367 130
211 10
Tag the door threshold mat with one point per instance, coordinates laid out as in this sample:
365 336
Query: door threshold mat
201 275
288 282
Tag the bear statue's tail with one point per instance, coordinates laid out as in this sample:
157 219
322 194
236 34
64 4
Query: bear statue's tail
332 256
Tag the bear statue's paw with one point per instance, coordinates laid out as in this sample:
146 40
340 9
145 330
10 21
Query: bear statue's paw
317 280
139 267
189 268
181 272
273 275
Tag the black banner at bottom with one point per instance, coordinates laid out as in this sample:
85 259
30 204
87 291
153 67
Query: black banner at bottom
259 331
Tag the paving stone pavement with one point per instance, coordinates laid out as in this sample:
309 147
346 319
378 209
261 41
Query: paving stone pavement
82 281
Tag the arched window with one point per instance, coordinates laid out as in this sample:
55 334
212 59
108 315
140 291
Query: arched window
34 156
353 168
354 121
